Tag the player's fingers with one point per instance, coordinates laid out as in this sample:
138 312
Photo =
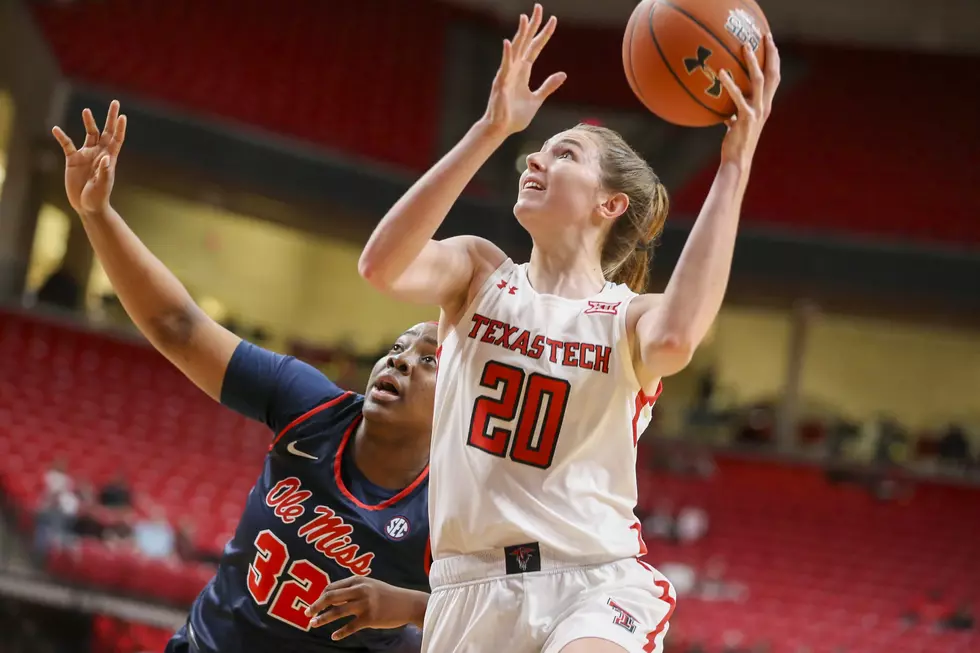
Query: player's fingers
522 26
756 77
505 61
550 85
333 613
103 171
733 90
532 30
348 629
773 71
91 129
331 597
541 40
110 120
66 145
118 136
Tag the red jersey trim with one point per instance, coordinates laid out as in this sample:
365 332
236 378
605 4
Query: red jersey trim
636 526
339 478
641 402
307 415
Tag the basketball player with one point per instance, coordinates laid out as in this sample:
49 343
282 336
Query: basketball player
342 492
549 370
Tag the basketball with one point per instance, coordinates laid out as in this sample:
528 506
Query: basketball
674 50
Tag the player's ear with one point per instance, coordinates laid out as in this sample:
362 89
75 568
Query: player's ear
613 205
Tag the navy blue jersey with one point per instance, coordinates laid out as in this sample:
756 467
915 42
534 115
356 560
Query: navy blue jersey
311 518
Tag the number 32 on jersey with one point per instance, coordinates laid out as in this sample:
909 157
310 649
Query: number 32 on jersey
305 584
531 437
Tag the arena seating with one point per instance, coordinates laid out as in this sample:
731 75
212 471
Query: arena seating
111 635
333 73
107 406
825 566
845 153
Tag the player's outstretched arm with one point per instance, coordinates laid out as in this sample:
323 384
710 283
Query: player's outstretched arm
667 333
152 296
372 603
401 257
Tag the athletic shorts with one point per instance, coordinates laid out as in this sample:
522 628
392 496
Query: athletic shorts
486 604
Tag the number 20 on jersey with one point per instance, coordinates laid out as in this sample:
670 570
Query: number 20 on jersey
531 437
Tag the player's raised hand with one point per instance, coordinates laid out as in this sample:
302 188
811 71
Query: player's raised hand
90 171
512 103
745 127
372 603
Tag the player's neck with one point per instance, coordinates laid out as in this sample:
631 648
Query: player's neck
388 459
568 272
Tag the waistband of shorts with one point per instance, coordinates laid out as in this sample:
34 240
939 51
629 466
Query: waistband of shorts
493 563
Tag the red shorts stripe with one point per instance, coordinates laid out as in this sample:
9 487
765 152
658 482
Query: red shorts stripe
665 596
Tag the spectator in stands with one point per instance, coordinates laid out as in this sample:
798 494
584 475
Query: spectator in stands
55 519
961 619
713 586
154 535
733 642
930 610
660 524
757 425
115 493
60 290
954 448
681 575
702 413
57 480
187 548
87 523
839 434
892 444
692 524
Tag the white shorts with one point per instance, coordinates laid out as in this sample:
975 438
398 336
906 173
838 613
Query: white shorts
474 608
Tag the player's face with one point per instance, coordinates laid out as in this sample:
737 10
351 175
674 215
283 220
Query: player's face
561 187
403 383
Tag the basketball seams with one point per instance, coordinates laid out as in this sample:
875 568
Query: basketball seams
663 57
707 31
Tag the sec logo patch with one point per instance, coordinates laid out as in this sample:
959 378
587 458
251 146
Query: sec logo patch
397 528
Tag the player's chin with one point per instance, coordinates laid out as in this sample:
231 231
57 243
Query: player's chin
380 402
529 211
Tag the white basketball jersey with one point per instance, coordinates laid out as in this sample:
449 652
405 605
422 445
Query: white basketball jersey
537 415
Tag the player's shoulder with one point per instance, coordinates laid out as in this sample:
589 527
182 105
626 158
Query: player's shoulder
640 305
330 417
480 249
484 258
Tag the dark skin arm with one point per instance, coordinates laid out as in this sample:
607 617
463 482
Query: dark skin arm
156 301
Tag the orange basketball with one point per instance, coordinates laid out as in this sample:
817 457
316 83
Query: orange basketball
674 50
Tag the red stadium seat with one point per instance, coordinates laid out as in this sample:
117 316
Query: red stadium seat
331 73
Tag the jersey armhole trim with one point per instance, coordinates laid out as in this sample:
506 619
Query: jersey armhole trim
641 399
307 415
